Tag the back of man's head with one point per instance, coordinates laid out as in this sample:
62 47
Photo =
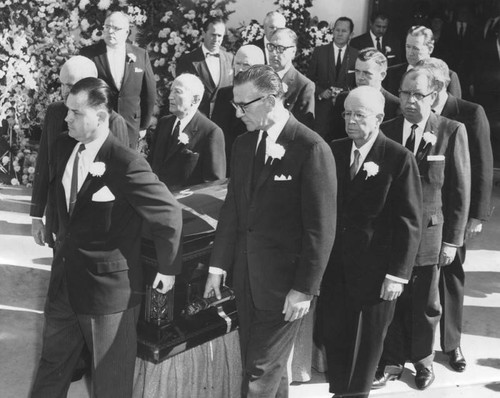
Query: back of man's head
247 56
264 78
439 69
98 92
79 67
368 98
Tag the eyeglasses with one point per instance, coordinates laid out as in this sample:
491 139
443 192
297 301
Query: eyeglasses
356 116
242 107
113 28
410 94
277 48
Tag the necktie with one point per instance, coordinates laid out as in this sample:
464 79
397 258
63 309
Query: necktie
410 142
260 159
379 47
338 64
216 55
74 180
174 137
353 170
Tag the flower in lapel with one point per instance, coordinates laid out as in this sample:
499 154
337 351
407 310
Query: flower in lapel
97 169
131 57
429 138
285 87
387 49
274 150
183 138
371 169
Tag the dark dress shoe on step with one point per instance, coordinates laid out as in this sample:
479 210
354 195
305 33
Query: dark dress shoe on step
424 377
457 360
381 378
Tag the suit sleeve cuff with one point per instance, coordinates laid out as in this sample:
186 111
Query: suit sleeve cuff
216 270
396 279
36 218
450 244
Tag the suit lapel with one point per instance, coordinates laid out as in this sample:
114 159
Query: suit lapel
171 148
102 61
202 70
225 70
425 148
248 160
66 150
375 155
129 64
330 66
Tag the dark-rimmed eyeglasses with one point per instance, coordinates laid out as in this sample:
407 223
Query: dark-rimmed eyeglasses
410 94
277 48
242 107
357 116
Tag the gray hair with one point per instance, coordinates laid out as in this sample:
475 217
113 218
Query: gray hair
264 78
439 69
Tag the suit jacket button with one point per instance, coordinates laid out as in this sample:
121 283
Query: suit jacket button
250 229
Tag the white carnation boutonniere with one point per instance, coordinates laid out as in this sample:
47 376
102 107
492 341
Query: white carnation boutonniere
183 138
285 87
387 49
274 150
97 169
429 138
131 57
371 169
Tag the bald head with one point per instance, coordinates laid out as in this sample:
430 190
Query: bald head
273 20
247 56
75 69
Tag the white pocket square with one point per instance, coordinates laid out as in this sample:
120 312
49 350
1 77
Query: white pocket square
435 158
283 178
390 56
103 195
137 70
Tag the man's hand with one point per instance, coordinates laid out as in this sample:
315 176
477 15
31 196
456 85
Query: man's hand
326 94
212 287
391 290
447 254
38 231
474 227
296 305
167 282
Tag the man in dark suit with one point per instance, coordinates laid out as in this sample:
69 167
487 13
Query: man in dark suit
370 70
188 148
451 282
127 70
73 70
379 207
103 192
272 21
419 46
332 70
441 150
378 38
209 62
276 228
299 90
224 114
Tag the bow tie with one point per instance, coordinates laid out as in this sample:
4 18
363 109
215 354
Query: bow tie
216 55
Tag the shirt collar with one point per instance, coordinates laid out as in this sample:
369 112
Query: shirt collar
119 49
420 128
282 73
93 147
186 119
205 51
374 38
337 48
365 149
275 130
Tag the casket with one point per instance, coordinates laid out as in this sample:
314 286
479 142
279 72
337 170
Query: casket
182 319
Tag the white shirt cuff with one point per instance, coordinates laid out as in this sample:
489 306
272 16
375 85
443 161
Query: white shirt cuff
216 270
450 244
396 279
37 218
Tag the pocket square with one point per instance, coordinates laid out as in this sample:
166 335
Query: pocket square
390 56
435 158
283 178
138 70
103 195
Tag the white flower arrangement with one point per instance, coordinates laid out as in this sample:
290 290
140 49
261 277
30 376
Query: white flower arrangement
371 169
274 150
429 137
97 169
183 138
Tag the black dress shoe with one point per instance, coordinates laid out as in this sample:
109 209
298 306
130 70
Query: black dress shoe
457 359
381 378
424 377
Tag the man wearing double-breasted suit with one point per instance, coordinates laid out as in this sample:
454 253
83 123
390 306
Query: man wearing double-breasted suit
103 192
188 148
276 228
127 71
441 149
332 70
211 63
378 232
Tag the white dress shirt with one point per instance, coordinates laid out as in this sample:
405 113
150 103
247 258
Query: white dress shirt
116 59
336 50
374 40
213 64
363 153
185 120
419 132
87 157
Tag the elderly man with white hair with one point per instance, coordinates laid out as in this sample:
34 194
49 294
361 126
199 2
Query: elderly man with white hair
188 148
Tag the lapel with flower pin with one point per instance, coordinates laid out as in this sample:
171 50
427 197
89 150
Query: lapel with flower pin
428 140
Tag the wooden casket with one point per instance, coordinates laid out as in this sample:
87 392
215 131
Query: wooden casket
182 319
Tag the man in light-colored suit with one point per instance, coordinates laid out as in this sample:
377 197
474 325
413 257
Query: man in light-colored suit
188 148
211 63
127 70
441 149
332 70
103 191
276 228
